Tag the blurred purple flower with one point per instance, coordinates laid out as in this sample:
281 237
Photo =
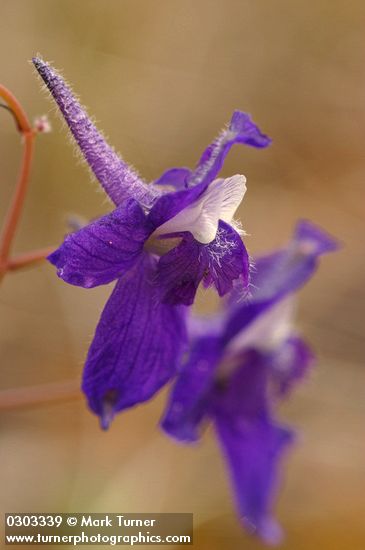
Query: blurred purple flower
239 364
141 333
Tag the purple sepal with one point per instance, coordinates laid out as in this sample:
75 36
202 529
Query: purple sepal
118 179
285 271
253 445
227 260
189 399
103 250
276 275
241 130
247 132
313 239
137 345
220 262
176 177
289 364
240 317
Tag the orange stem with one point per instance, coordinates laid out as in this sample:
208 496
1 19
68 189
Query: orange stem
13 214
28 259
24 397
38 395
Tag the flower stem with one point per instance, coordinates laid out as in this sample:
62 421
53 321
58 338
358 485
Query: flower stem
28 259
38 395
12 217
24 397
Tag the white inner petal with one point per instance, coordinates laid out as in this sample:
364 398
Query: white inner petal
268 331
219 202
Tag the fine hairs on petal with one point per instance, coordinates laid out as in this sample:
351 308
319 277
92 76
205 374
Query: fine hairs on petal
77 152
238 227
202 170
223 246
117 178
241 129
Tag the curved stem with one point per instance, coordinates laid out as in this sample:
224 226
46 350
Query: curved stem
24 397
13 214
17 110
27 259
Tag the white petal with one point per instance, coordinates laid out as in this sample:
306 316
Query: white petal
219 202
268 331
234 191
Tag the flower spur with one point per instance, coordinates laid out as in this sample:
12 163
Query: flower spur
240 363
129 361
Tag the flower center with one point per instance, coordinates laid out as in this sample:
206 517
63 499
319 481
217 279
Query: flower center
160 246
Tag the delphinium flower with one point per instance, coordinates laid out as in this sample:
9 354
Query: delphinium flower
159 243
241 362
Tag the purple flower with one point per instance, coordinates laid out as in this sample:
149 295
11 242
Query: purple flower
159 243
239 364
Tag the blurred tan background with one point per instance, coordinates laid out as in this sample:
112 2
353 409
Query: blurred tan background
162 77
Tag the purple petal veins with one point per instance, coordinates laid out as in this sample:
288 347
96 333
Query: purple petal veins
137 345
103 250
219 263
